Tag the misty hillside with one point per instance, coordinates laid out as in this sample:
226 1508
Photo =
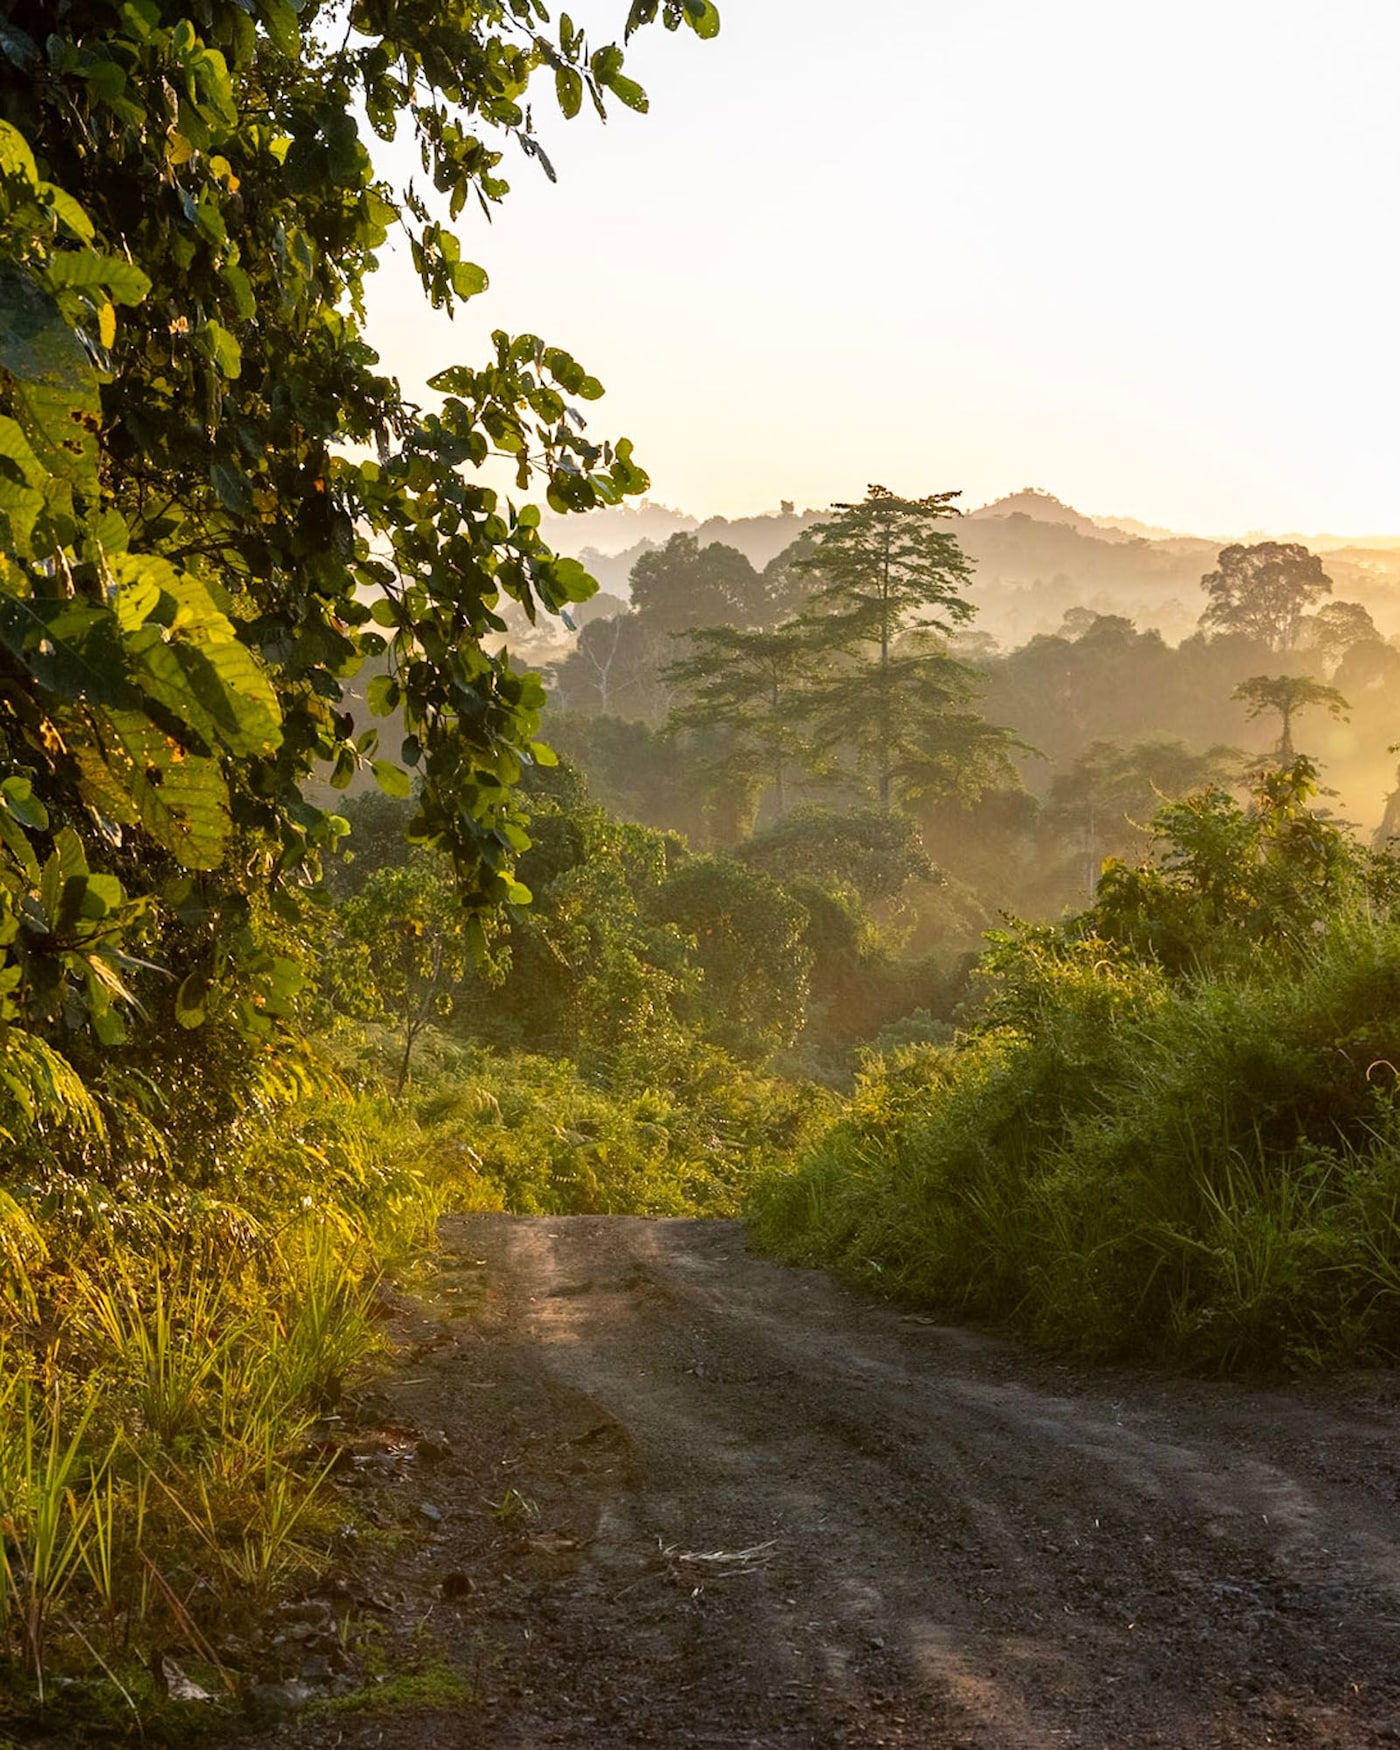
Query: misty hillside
1035 558
1044 507
610 542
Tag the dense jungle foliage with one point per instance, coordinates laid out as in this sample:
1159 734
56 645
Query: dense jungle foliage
715 730
305 933
1168 1125
215 510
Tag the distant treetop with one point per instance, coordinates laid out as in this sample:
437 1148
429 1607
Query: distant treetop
1264 590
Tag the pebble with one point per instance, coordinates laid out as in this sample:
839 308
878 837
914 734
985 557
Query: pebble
282 1698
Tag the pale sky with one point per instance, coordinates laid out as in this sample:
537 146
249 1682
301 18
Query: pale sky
1143 257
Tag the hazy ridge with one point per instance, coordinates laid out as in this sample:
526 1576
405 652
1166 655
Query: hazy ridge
1035 557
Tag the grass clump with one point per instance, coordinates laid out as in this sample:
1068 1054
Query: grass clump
436 1685
669 1132
1171 1129
167 1339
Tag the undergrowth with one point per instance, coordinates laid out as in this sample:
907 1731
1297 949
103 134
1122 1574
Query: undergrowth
165 1347
669 1132
1190 1155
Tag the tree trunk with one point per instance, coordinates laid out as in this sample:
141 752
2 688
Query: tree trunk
884 682
773 702
409 1034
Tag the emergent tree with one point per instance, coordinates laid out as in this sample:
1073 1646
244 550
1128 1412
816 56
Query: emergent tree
1288 694
888 591
684 585
1264 591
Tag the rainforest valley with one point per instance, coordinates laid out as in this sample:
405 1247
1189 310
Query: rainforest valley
997 907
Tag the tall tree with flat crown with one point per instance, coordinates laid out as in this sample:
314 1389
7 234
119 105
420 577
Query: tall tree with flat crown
888 582
1288 694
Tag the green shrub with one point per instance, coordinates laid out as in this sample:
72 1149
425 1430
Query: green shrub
665 1132
1196 1160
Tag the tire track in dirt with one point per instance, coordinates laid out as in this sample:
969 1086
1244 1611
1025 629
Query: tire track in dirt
839 1524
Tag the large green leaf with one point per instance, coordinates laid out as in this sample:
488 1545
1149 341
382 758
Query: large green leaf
67 211
279 19
138 591
222 348
383 694
17 798
568 86
703 17
214 685
179 798
64 880
83 269
21 501
191 998
16 154
72 649
391 779
105 788
187 657
19 847
15 447
55 385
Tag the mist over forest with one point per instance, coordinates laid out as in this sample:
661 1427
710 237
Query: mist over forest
1035 557
406 819
1089 642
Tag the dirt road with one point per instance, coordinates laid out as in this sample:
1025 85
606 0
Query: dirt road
697 1498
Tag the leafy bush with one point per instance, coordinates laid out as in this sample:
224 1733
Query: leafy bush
678 1132
1195 1158
745 934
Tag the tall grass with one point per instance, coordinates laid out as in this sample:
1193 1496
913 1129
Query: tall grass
678 1132
45 1484
1203 1169
164 1349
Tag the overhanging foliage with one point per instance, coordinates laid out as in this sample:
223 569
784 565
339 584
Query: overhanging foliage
213 507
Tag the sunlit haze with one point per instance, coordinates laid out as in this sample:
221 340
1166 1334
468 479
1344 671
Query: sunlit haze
1143 258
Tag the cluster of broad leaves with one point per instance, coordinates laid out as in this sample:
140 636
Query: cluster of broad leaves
214 508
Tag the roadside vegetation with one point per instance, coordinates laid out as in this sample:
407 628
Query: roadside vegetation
189 1304
179 1309
305 934
1168 1127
